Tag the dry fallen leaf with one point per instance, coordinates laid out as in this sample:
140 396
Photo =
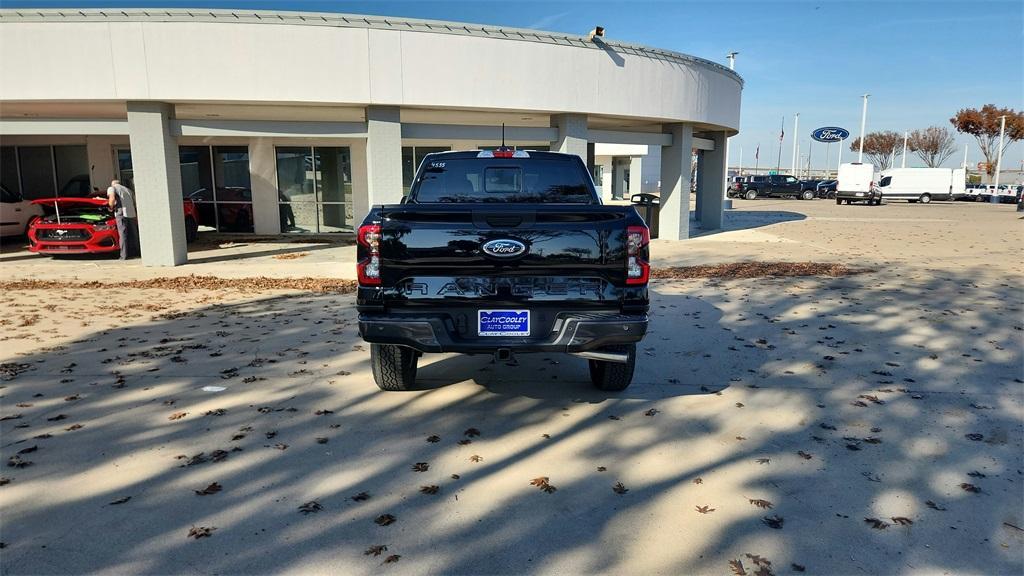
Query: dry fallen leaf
763 460
737 567
619 488
542 483
198 532
432 489
361 497
760 503
433 439
876 523
475 458
705 509
376 550
775 521
902 521
651 412
391 559
311 507
601 469
472 432
970 488
120 501
698 480
28 450
420 467
213 488
804 455
934 506
177 416
385 520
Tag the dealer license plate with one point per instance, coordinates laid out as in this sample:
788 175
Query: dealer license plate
503 322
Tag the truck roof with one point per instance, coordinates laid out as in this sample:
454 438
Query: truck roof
475 153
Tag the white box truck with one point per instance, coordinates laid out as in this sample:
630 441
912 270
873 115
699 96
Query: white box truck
857 184
922 184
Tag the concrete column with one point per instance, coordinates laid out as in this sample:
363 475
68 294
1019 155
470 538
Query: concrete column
383 157
711 191
675 183
360 195
636 175
157 184
572 134
266 214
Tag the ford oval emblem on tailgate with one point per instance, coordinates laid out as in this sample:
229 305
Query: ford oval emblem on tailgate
504 248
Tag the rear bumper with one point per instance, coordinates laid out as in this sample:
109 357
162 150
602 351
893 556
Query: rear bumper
857 195
572 332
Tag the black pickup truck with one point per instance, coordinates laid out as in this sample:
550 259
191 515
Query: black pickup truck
500 252
777 185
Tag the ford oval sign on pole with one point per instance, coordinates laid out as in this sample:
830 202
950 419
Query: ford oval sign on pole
830 134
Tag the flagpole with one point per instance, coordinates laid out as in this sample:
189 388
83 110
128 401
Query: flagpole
757 157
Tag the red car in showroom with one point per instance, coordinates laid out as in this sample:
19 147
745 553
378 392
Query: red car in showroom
85 226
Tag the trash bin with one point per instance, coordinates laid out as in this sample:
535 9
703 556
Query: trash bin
647 205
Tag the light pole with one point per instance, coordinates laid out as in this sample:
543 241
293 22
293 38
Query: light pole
904 164
863 124
965 157
999 157
726 201
796 138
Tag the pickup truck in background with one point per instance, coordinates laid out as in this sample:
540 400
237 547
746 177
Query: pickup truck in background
501 252
774 185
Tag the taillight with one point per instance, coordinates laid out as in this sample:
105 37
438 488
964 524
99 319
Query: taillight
638 269
368 269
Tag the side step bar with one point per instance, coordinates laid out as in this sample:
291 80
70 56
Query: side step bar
603 356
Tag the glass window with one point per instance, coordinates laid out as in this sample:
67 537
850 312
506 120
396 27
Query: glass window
36 171
554 180
124 168
9 168
315 189
885 181
8 196
72 164
217 180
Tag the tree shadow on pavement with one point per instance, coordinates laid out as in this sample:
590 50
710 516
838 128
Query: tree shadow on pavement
832 399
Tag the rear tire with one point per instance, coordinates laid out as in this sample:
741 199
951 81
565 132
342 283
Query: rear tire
839 201
925 198
614 376
807 195
393 366
750 195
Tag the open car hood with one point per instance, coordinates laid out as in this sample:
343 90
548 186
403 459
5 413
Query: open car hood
69 201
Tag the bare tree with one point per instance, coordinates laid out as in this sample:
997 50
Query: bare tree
933 145
983 124
879 147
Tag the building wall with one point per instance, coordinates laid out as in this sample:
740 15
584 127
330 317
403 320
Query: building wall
80 59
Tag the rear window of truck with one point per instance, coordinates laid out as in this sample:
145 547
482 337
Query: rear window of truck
538 180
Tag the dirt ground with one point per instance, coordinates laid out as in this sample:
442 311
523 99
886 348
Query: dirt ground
870 423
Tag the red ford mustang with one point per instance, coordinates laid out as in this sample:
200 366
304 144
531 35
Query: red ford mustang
85 226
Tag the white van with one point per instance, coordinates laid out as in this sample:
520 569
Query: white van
922 184
857 184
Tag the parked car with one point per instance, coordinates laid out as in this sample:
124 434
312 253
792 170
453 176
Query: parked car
85 226
826 189
16 213
501 253
775 185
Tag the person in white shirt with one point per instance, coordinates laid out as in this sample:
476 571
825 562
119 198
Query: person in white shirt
121 200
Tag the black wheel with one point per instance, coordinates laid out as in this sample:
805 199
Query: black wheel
839 201
191 229
394 367
807 195
614 376
750 195
925 198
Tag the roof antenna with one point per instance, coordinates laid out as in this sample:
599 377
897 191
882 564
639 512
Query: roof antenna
502 134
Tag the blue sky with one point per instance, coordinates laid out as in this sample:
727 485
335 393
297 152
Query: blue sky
920 61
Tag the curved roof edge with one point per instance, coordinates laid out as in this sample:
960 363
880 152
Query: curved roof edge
11 15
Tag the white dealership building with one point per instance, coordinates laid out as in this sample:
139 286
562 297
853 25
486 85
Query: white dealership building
282 122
